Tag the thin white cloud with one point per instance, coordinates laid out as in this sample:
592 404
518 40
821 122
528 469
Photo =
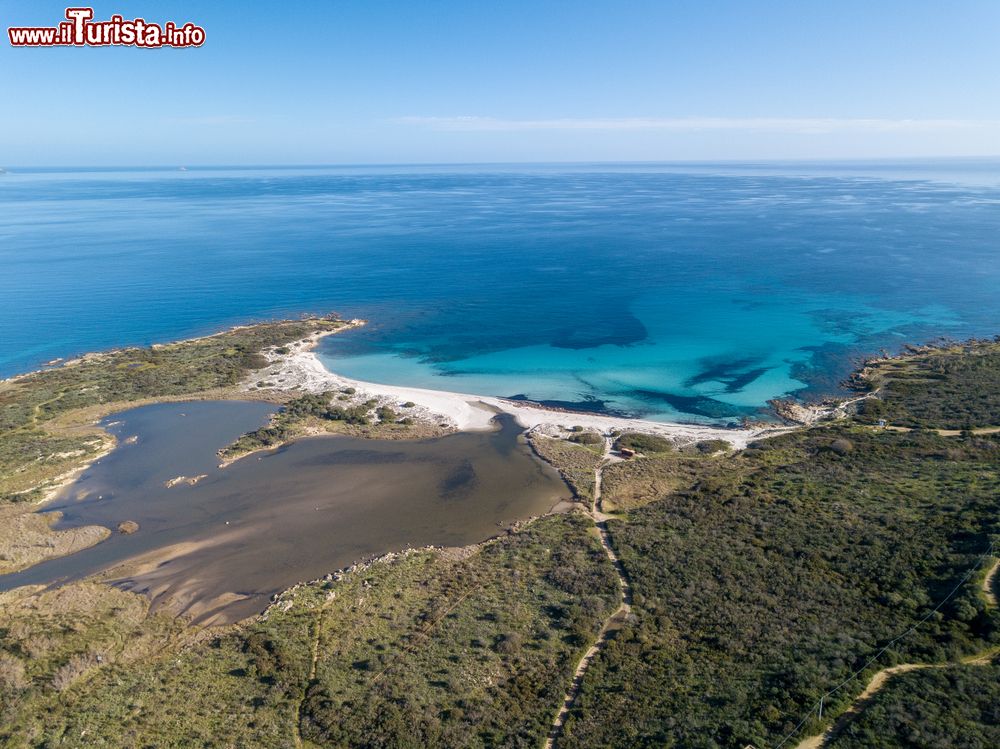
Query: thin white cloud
817 125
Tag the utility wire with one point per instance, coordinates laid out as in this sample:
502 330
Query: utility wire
893 641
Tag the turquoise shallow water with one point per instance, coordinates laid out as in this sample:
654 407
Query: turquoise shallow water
690 292
717 358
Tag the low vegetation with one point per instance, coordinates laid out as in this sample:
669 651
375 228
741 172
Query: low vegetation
760 580
46 418
633 483
473 652
952 387
427 649
786 572
55 642
710 447
323 413
581 436
575 463
294 420
643 443
27 538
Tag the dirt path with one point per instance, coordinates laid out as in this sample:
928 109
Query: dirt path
875 685
595 502
614 622
880 679
941 432
989 587
314 659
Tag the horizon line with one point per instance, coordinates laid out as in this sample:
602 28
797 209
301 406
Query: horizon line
557 162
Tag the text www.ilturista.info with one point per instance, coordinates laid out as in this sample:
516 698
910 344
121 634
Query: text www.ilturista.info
80 30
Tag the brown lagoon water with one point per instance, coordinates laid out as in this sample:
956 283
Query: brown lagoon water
219 549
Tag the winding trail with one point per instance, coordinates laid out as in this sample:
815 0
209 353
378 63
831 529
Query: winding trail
614 622
881 678
874 686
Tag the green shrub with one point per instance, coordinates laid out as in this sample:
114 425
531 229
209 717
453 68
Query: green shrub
708 447
644 443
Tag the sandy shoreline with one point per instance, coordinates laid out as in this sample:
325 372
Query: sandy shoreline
301 370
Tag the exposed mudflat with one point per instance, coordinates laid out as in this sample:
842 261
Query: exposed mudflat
218 548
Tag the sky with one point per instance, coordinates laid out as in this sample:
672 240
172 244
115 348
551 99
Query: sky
440 81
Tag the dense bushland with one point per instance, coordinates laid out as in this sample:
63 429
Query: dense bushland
760 588
957 387
760 580
949 708
430 649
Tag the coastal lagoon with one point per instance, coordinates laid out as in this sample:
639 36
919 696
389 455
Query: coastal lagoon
672 292
219 548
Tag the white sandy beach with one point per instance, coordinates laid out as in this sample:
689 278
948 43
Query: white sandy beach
302 370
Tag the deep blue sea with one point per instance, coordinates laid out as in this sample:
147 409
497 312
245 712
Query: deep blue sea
693 292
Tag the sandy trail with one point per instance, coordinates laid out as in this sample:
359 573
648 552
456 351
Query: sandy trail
989 584
613 623
877 682
881 678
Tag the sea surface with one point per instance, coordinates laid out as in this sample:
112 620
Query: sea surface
219 549
690 292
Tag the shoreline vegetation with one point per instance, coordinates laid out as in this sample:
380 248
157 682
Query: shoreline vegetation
49 419
50 433
787 559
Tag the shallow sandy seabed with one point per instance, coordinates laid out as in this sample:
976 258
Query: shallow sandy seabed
302 370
